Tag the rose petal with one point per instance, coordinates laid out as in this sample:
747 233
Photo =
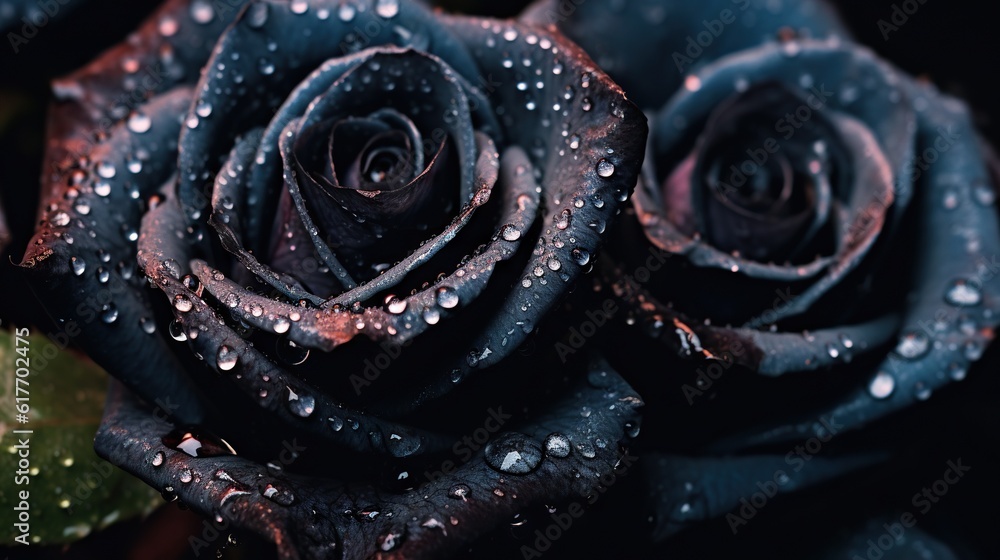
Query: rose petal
305 517
82 256
955 297
649 46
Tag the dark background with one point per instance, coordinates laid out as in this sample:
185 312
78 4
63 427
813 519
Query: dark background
953 44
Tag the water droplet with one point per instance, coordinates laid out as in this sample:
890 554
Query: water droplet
61 219
78 265
186 476
882 385
201 11
390 540
291 353
983 194
106 170
281 325
974 350
387 8
913 345
157 459
182 303
510 233
265 67
458 492
581 256
139 123
605 168
962 293
557 445
447 297
432 316
167 27
109 313
204 109
921 391
303 405
346 12
395 305
257 14
554 264
226 358
148 325
336 423
957 371
586 449
586 104
197 444
832 351
513 453
299 6
176 331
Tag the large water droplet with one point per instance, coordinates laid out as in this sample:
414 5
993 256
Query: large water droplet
226 358
913 345
79 265
183 303
395 305
291 353
605 168
301 404
962 293
510 233
177 331
882 385
513 453
387 8
557 445
447 297
139 123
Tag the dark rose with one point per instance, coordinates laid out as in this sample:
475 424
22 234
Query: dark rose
344 210
814 230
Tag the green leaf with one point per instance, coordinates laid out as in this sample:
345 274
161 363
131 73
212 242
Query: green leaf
71 491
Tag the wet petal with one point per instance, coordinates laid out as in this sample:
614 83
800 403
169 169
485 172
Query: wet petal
650 46
82 258
305 516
